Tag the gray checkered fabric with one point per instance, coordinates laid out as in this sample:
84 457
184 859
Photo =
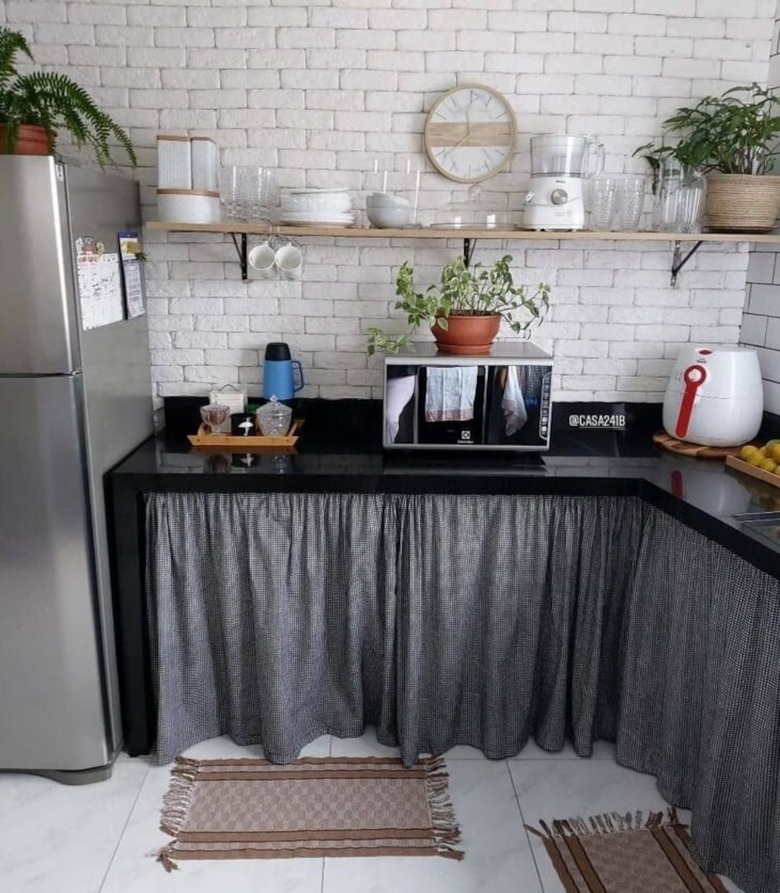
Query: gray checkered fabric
479 620
272 618
700 696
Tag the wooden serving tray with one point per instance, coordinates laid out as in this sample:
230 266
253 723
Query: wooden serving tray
244 443
697 450
769 477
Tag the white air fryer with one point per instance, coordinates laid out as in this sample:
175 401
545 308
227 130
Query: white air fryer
715 396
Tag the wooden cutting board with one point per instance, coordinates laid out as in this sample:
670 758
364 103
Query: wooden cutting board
696 450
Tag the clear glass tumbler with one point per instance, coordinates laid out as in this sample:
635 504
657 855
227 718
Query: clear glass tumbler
630 202
679 199
259 193
230 189
603 202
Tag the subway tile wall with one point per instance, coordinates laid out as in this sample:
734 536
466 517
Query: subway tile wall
320 90
761 321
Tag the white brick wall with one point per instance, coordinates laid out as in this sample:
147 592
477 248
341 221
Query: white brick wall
761 321
319 90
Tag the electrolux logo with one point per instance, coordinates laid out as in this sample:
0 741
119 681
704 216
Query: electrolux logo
599 420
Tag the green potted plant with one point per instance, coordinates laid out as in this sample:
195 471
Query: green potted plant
464 310
731 138
34 105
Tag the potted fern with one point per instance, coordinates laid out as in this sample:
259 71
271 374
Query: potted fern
464 310
732 139
34 105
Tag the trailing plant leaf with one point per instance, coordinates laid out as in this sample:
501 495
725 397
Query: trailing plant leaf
378 340
463 291
52 100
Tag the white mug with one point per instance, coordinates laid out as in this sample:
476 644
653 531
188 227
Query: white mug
263 259
289 260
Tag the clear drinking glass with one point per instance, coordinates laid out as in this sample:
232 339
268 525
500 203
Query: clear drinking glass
603 202
679 199
630 202
230 189
259 194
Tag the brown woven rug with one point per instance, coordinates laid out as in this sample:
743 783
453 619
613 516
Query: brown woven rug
612 852
331 806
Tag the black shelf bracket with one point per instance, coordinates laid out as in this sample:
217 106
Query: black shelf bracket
468 250
679 261
242 253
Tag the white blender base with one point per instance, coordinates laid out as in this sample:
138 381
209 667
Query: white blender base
544 218
554 203
553 228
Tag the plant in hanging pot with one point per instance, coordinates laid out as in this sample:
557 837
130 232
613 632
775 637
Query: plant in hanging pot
465 309
34 105
732 139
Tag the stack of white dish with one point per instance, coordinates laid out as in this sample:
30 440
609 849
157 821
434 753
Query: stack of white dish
317 207
387 211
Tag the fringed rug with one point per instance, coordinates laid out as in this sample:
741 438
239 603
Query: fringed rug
622 852
332 806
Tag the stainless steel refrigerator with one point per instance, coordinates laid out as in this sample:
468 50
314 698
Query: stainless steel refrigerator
72 404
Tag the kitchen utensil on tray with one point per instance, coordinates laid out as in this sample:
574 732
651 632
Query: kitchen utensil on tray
273 418
215 415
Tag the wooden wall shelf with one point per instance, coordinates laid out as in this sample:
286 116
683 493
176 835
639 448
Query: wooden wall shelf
354 232
240 232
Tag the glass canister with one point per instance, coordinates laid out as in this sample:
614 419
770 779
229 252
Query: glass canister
679 199
274 418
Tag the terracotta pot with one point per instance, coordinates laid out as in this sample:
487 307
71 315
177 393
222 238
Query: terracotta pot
30 140
467 334
741 203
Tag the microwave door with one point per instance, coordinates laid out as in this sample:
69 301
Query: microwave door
518 406
451 405
401 401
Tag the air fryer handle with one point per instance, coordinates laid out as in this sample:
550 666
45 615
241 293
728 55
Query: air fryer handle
694 377
298 381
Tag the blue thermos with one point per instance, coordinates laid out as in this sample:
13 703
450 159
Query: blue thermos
282 377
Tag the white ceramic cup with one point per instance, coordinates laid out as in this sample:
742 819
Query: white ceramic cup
289 260
263 259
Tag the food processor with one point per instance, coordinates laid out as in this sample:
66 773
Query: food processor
559 164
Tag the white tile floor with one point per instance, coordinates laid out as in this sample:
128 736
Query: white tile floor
58 839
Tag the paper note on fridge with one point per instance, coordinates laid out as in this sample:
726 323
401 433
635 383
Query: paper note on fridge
99 284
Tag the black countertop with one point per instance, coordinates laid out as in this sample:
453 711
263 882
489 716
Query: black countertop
339 452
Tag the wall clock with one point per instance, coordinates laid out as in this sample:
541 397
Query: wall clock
470 133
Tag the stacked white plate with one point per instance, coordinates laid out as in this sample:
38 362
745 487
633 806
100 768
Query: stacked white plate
317 207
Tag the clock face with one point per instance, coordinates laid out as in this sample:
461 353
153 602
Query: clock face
470 133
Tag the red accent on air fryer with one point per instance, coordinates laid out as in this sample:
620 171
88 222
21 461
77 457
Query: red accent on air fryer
694 377
705 351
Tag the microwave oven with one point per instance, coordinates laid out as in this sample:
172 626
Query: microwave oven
498 401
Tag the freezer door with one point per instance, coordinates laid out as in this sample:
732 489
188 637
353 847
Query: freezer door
116 381
52 712
38 330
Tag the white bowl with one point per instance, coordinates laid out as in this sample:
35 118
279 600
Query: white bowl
386 200
388 218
